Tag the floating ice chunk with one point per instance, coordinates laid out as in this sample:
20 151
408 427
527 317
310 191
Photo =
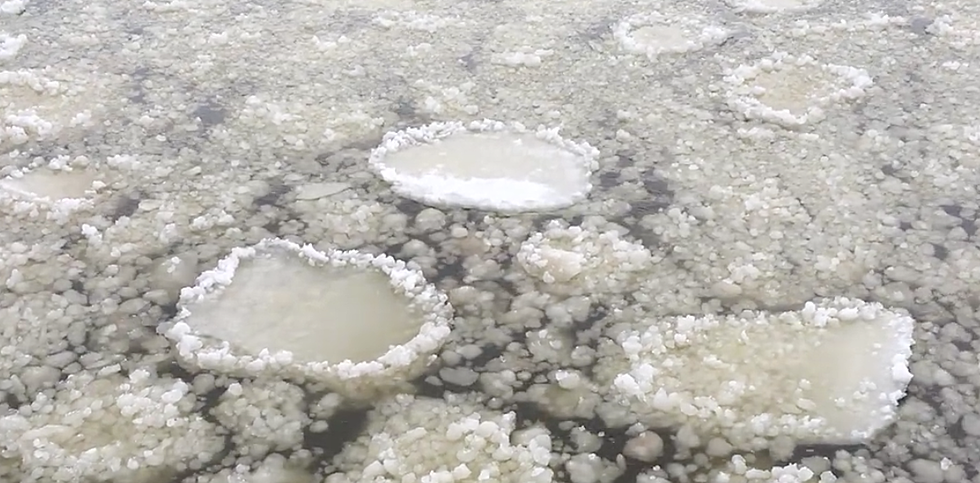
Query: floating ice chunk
527 42
646 447
590 468
555 265
832 372
514 59
52 185
55 188
772 6
791 91
486 165
738 469
580 260
564 400
462 443
343 318
171 6
655 33
958 29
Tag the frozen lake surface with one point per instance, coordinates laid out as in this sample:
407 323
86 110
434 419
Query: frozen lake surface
584 241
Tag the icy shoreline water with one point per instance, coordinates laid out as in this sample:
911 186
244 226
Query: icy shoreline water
706 241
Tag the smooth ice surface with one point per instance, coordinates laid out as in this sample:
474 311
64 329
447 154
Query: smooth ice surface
492 170
281 303
663 36
825 375
854 359
55 185
793 89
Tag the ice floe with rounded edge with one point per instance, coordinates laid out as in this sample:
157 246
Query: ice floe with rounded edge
413 20
656 33
58 187
792 91
487 165
353 321
832 372
868 22
455 439
276 120
772 6
527 43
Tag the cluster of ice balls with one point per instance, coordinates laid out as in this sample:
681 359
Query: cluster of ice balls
802 96
108 427
573 259
59 187
446 440
265 415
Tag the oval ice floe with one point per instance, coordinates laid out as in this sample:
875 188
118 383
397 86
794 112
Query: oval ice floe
772 6
58 187
462 442
488 165
43 104
655 33
353 321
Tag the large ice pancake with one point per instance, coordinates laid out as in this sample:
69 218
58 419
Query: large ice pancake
657 33
346 319
487 165
62 187
832 372
793 90
310 309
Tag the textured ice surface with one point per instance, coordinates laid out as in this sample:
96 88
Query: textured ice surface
830 373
